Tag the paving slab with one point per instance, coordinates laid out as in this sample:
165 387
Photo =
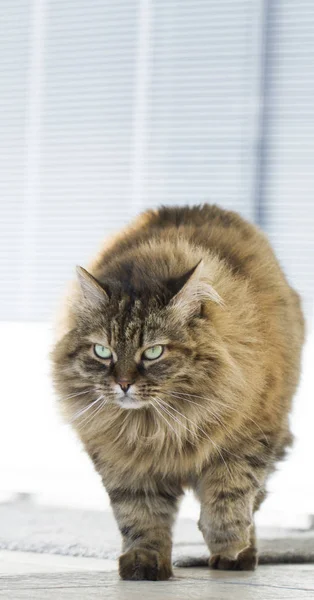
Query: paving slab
66 578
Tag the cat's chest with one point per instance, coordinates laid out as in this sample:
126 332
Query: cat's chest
142 461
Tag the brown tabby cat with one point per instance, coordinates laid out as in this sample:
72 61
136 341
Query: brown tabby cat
176 363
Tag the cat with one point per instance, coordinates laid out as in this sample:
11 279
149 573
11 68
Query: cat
176 361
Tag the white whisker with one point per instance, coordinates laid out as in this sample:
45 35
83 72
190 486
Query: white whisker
216 402
78 394
204 407
84 410
204 433
213 400
164 418
207 409
162 407
96 411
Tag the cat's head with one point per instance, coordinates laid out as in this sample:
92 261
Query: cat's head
137 339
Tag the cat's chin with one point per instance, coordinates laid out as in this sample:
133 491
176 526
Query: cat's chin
127 402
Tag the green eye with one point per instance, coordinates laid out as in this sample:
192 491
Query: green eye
102 351
153 352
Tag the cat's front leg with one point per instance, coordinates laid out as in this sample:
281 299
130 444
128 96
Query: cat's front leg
145 518
228 496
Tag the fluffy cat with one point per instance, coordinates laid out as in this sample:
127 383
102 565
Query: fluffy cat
177 358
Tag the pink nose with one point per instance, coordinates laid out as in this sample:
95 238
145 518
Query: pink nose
124 384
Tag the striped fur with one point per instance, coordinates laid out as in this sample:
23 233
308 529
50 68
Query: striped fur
214 407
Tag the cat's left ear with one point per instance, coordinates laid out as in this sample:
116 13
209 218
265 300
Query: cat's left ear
92 291
193 290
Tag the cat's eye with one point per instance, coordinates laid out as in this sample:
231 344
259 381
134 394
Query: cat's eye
153 352
102 351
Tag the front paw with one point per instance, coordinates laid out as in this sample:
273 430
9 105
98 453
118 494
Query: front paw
246 561
141 564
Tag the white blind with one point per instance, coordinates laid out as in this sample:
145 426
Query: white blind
14 75
112 107
87 83
202 112
289 169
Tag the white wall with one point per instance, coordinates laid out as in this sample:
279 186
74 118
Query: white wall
40 455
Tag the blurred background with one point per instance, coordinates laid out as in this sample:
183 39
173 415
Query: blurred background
112 107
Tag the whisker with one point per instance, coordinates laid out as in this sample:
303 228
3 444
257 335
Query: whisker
216 446
96 411
216 418
228 431
205 434
173 416
201 405
225 407
84 410
189 420
213 400
181 414
78 394
166 420
245 433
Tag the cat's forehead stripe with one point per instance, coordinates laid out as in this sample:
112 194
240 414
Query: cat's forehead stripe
128 327
114 333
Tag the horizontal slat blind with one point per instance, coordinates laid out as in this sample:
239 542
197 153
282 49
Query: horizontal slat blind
68 91
86 135
112 107
204 81
289 177
14 75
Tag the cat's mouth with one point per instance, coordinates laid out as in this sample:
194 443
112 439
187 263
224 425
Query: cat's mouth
127 401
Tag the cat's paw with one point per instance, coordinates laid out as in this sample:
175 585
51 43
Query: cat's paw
141 564
246 561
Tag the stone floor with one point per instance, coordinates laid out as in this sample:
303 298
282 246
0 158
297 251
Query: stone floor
31 576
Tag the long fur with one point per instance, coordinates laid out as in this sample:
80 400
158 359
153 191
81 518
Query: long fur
206 284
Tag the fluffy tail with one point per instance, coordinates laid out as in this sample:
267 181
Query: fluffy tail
264 558
286 558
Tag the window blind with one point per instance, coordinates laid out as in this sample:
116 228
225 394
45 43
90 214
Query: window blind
14 74
288 180
113 107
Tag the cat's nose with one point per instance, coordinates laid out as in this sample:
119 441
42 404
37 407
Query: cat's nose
124 384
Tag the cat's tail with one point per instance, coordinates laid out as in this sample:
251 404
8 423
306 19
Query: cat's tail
288 557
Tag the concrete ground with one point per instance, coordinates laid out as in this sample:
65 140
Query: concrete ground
30 576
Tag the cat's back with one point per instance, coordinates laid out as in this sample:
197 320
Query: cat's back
250 264
242 247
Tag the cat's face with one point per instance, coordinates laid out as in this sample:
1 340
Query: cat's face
132 350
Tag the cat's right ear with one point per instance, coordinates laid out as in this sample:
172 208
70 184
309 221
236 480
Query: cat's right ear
92 291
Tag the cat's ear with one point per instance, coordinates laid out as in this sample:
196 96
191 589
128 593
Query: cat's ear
193 290
92 291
